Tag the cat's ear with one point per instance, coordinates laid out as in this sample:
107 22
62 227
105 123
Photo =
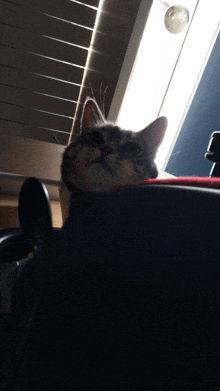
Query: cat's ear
153 134
91 116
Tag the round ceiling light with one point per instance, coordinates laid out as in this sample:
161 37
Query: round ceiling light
176 19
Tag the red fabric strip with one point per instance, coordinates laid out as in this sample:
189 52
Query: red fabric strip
213 183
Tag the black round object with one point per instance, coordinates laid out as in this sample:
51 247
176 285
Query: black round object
34 211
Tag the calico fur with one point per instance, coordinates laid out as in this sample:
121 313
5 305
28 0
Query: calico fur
104 155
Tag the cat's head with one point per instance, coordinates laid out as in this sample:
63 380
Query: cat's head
104 155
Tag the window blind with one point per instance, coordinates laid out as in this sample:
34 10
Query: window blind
44 49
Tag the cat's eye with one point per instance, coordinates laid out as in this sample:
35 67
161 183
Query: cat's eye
130 148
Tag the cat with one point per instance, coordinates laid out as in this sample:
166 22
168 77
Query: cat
104 155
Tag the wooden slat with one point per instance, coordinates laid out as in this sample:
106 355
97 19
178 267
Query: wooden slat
37 101
26 40
13 129
33 63
22 79
34 118
37 22
63 9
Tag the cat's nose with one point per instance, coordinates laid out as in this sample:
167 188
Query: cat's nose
106 150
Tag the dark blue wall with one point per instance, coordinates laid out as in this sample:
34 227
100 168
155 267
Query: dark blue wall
202 119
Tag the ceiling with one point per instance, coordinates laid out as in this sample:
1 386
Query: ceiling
52 59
